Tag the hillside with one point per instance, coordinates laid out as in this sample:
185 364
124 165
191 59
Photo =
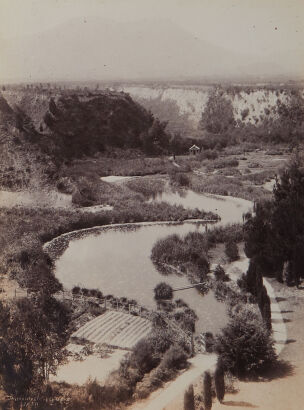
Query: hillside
42 128
182 106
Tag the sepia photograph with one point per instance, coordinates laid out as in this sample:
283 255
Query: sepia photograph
151 204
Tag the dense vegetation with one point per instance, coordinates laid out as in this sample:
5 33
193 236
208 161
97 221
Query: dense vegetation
275 235
191 251
33 333
245 346
282 123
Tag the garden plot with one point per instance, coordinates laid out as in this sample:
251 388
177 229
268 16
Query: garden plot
115 329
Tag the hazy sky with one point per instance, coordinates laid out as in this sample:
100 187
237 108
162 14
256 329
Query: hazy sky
255 27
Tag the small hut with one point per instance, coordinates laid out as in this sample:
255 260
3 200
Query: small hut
194 150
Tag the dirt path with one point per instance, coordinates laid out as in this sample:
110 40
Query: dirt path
163 397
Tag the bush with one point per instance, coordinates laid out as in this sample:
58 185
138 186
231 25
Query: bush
220 274
180 178
175 358
245 346
189 398
76 290
163 291
207 391
232 251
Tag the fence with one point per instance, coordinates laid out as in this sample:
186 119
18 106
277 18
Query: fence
106 303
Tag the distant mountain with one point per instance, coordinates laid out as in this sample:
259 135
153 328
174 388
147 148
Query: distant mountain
105 50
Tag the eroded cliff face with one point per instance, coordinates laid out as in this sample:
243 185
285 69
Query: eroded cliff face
183 106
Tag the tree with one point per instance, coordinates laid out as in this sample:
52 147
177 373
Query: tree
275 235
253 278
163 291
265 307
207 391
245 346
218 116
32 343
189 398
155 140
219 381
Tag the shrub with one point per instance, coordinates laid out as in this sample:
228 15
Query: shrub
180 178
95 394
220 274
85 291
163 291
175 358
245 345
232 251
219 381
143 356
189 398
207 391
76 290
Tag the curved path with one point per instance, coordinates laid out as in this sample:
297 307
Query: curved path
163 397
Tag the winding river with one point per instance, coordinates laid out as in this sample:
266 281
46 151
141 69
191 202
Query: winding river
117 261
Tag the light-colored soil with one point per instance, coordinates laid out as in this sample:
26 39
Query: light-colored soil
10 289
93 366
35 199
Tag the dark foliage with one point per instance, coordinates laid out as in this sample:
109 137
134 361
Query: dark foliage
189 398
232 251
35 332
82 126
218 115
207 391
245 346
219 381
163 291
275 235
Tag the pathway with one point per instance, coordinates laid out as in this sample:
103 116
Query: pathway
163 397
235 270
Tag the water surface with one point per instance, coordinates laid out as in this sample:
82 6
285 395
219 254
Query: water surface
117 261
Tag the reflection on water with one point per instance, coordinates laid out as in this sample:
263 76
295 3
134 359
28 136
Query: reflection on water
229 208
117 261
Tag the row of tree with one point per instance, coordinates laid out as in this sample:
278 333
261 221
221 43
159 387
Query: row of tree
219 384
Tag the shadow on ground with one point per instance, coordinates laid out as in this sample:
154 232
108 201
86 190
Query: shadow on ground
279 370
239 404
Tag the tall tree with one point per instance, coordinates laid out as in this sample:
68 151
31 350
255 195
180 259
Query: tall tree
218 116
32 343
207 391
219 381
